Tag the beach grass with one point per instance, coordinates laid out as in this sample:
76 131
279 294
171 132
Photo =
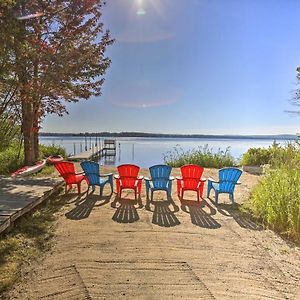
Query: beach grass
27 241
202 156
275 201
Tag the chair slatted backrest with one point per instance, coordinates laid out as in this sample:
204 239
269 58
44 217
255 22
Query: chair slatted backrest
66 170
128 171
128 174
228 177
91 170
191 174
160 175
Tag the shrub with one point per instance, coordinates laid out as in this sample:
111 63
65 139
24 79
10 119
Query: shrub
275 200
275 155
46 151
256 157
11 158
202 156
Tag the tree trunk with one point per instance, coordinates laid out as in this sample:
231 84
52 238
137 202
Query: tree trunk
36 144
27 116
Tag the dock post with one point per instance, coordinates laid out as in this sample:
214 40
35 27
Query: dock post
74 149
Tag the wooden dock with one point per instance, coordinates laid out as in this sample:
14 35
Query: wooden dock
107 149
20 195
89 154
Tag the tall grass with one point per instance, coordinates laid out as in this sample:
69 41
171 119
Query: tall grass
276 201
11 158
203 156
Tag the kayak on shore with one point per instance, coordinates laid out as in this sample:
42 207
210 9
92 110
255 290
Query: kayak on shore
28 170
54 159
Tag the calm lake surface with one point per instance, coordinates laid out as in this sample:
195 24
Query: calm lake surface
146 152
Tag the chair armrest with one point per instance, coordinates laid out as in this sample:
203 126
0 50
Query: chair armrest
106 175
117 176
238 182
171 178
140 177
80 173
211 179
147 179
203 179
178 178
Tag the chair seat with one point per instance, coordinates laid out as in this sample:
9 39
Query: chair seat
159 184
129 183
74 179
190 184
216 186
101 182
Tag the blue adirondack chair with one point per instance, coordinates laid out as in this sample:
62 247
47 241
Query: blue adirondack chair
228 178
92 172
160 180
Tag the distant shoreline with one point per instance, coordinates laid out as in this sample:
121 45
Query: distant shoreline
166 135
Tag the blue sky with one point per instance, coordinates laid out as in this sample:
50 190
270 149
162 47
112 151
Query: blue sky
195 66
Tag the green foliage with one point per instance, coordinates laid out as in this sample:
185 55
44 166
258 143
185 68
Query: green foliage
46 151
202 156
256 157
275 201
275 155
8 133
10 160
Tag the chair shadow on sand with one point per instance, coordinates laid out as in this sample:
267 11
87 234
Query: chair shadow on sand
126 209
163 215
242 219
84 204
198 215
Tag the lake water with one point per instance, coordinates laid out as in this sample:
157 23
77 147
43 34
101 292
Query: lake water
146 152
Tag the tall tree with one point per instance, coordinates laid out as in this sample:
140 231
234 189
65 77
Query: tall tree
56 51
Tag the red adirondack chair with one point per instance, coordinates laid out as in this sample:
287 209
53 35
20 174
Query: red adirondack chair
67 171
128 179
191 180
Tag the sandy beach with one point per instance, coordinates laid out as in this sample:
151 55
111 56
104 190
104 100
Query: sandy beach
106 248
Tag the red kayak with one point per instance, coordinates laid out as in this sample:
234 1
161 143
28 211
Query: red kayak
28 170
54 159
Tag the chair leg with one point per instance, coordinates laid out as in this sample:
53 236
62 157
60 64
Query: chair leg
198 196
151 195
209 187
231 198
135 194
182 191
101 190
216 197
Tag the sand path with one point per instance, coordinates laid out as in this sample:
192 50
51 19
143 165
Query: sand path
106 249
